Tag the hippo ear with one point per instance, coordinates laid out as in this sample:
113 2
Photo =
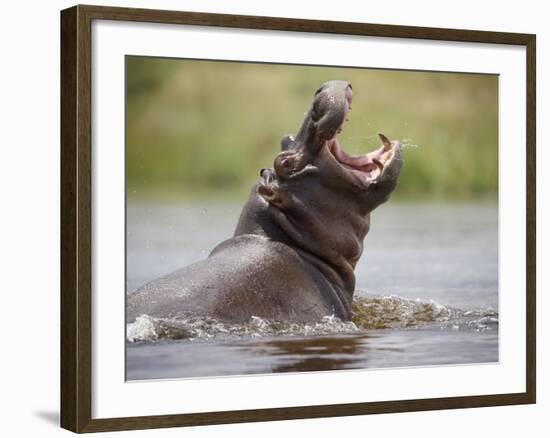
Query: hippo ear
286 142
270 192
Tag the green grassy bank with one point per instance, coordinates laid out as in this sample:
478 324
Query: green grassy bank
200 128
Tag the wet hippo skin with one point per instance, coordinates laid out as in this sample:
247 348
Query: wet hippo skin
299 236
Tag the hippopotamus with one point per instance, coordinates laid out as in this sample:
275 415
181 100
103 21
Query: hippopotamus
299 235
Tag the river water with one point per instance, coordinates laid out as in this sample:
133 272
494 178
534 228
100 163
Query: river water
427 294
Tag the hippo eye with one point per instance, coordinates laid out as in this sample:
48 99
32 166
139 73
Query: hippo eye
285 164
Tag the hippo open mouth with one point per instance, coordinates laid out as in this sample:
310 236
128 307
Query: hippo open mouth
366 167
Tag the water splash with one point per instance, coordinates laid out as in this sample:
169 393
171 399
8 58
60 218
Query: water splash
394 312
382 312
369 313
147 328
408 143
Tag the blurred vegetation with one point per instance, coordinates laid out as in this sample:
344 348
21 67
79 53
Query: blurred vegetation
197 128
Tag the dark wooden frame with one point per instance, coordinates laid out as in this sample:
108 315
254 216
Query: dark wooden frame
76 219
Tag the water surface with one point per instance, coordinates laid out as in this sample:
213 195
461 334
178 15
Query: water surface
427 294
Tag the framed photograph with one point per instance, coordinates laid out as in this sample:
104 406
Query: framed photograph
270 218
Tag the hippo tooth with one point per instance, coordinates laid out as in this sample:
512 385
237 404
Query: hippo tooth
378 163
387 144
